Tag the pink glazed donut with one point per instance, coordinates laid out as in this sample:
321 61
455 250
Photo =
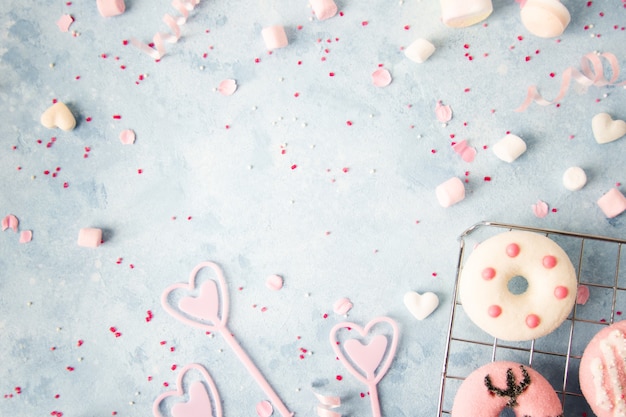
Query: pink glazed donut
541 308
493 387
602 371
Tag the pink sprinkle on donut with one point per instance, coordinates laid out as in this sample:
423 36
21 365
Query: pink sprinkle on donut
512 250
488 273
532 321
549 261
494 311
561 292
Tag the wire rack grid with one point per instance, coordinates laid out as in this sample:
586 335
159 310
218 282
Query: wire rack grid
556 356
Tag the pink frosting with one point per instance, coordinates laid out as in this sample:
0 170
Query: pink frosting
536 399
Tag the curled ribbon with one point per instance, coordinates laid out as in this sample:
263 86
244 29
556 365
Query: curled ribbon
327 404
591 73
174 23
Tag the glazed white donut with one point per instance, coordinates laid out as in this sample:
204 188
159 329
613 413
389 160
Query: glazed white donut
547 301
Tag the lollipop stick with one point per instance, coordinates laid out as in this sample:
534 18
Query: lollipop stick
373 388
256 374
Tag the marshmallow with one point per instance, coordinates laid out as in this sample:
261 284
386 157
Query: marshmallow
613 203
274 282
58 115
274 37
89 237
509 148
545 18
574 178
419 51
323 9
462 13
110 8
605 129
450 192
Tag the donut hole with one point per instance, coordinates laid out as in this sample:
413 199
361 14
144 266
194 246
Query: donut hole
517 285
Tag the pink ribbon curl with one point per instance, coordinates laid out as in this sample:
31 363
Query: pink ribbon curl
174 23
591 73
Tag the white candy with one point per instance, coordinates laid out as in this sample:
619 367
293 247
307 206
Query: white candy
89 237
545 18
58 115
420 50
274 37
450 192
509 148
463 13
574 178
323 9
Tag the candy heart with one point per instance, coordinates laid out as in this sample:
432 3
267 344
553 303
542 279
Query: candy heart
205 306
605 129
209 309
203 397
58 115
374 358
367 356
421 305
199 404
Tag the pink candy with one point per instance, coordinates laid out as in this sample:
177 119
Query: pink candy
613 203
110 8
274 37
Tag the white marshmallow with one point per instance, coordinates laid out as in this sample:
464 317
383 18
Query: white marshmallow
574 178
274 37
450 192
420 50
545 18
509 148
463 13
89 237
323 9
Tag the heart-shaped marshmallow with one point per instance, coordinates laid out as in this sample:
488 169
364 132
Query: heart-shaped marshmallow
421 305
605 129
58 115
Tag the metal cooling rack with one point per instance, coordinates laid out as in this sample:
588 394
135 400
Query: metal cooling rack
556 356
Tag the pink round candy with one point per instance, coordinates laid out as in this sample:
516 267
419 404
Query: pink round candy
274 282
549 261
512 250
488 273
532 321
561 292
494 311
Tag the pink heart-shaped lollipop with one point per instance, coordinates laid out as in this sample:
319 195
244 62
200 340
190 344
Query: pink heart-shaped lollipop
203 305
374 358
199 399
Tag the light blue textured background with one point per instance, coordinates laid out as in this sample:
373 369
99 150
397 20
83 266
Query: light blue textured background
370 234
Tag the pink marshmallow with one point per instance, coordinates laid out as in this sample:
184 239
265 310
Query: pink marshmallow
450 192
274 37
613 203
323 9
110 8
89 237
